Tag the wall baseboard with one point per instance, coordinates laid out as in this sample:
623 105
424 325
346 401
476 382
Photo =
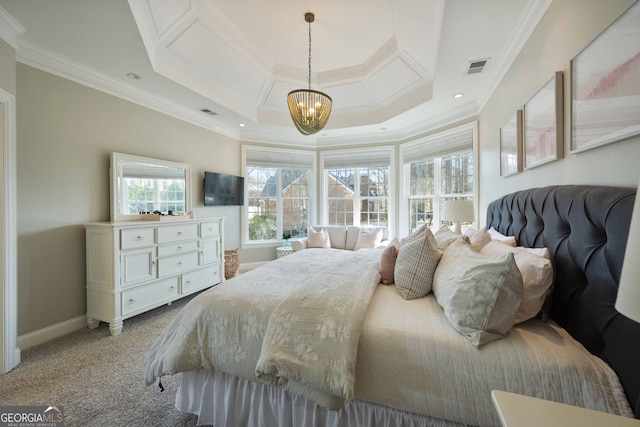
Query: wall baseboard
51 332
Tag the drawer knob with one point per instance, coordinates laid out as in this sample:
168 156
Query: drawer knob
179 262
131 300
172 287
138 237
179 233
179 248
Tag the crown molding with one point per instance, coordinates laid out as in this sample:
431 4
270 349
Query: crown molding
10 28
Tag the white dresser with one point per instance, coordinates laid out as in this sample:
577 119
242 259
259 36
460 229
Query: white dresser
135 266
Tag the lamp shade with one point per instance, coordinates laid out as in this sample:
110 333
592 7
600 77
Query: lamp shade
628 300
458 211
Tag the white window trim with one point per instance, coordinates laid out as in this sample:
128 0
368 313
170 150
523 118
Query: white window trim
357 152
283 153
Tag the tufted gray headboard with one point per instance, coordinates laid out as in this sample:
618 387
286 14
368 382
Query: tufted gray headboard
585 229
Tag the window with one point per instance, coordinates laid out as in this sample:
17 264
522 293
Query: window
436 169
357 187
433 181
278 188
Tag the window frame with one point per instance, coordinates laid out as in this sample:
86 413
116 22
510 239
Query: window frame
437 147
359 158
297 159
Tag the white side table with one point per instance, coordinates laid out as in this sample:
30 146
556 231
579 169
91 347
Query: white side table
283 251
516 410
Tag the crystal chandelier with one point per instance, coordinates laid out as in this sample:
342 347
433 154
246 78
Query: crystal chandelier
309 109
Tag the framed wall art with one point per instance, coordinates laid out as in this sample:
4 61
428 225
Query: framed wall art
543 118
605 85
511 145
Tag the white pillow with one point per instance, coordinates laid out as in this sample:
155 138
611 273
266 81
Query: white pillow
318 239
537 277
445 237
478 238
368 238
495 235
480 295
415 264
543 252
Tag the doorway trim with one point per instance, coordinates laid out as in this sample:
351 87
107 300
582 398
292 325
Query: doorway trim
10 353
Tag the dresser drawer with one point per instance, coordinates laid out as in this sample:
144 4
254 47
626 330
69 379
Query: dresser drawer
198 279
177 264
176 233
177 248
209 229
148 295
136 237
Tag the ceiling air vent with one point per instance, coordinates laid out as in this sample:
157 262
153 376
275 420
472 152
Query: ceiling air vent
477 66
209 112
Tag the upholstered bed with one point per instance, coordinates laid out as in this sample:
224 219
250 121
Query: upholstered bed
270 348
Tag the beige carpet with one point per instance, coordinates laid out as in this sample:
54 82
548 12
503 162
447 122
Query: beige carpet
97 378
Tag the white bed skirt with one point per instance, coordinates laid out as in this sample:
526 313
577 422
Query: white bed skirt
221 399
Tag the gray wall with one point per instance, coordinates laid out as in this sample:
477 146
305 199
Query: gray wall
567 27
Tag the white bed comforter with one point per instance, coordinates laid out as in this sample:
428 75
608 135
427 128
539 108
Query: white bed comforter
294 323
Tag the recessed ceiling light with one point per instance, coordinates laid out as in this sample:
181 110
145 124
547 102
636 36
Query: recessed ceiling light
133 76
241 125
458 95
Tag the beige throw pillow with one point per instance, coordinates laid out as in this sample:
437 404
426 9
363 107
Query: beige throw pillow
537 277
480 295
368 238
445 237
415 234
415 264
478 238
388 262
318 239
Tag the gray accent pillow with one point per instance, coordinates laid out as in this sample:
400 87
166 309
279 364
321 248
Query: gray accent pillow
480 294
415 264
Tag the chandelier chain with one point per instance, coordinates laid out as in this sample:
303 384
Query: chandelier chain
309 55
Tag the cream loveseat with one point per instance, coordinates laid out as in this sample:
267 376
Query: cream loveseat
341 237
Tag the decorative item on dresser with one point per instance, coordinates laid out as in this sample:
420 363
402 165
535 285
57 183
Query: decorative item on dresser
135 266
283 251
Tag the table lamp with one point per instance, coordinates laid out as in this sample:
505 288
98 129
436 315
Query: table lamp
458 211
628 300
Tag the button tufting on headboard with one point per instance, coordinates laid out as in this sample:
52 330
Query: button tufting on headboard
585 229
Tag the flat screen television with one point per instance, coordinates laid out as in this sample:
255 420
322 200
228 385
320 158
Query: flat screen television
221 189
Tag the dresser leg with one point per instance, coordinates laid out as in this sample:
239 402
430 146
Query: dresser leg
92 323
115 328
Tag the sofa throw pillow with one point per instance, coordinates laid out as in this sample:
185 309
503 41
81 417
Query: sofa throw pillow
537 277
368 238
496 235
480 295
388 262
318 238
415 264
445 237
